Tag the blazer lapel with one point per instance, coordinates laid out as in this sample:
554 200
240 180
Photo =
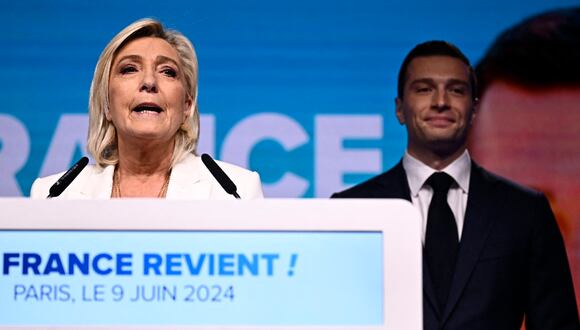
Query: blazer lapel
397 186
478 222
98 183
395 183
187 180
428 289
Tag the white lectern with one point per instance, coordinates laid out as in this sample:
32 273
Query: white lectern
269 264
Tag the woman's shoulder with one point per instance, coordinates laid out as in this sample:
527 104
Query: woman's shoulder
235 169
195 162
247 181
41 186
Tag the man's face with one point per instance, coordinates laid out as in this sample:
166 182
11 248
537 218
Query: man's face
437 106
532 136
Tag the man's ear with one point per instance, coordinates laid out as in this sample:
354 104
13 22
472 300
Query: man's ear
474 110
399 111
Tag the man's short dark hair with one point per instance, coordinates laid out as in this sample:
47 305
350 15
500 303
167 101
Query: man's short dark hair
434 48
541 51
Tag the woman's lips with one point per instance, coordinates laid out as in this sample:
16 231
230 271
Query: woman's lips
148 107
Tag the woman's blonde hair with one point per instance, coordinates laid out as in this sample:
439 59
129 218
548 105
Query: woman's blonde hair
102 137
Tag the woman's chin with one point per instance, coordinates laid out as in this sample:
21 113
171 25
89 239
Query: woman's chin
147 135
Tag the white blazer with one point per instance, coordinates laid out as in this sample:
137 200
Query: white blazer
189 179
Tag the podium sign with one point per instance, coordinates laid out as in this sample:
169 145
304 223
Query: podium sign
283 264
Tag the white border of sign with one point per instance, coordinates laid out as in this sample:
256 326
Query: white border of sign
396 219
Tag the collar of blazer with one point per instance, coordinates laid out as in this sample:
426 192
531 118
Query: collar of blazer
189 180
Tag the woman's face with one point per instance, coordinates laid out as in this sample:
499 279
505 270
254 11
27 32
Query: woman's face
147 97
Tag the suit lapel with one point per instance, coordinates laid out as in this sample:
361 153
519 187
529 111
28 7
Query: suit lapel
397 186
428 289
476 228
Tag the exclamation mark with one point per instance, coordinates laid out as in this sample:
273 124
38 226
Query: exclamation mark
293 260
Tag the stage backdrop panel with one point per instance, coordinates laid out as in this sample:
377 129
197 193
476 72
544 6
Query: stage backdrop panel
301 91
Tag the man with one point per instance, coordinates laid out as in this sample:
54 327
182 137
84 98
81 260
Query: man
493 252
530 95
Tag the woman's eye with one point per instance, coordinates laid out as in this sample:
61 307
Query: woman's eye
128 69
170 72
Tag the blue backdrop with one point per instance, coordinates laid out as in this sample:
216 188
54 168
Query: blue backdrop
301 91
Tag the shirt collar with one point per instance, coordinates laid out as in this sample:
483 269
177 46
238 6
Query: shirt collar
418 172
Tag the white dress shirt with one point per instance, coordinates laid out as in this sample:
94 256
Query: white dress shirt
421 194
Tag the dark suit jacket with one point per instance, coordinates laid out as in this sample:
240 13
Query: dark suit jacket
511 262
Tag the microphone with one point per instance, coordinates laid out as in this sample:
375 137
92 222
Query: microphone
220 175
67 178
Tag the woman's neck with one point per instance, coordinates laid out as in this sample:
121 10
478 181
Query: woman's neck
145 159
143 170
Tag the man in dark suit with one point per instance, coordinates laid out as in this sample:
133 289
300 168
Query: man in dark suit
493 253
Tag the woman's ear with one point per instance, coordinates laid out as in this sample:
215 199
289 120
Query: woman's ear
107 113
188 108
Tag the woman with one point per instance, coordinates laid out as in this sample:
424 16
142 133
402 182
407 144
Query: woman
144 124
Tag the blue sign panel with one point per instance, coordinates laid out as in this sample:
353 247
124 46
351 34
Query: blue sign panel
191 278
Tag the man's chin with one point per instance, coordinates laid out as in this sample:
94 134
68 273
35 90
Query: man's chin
446 146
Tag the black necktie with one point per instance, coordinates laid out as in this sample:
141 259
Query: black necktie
441 240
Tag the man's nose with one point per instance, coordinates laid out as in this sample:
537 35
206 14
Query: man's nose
440 100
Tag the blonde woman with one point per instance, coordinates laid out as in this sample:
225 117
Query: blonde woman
144 124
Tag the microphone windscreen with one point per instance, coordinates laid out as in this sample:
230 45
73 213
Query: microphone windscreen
67 178
219 174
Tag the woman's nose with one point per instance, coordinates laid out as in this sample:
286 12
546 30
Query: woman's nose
149 83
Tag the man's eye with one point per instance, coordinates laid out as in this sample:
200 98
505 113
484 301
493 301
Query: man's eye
423 89
170 72
458 91
128 69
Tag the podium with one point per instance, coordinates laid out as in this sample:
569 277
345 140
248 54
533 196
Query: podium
161 264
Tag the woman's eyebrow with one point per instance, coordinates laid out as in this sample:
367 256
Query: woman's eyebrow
163 59
136 58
